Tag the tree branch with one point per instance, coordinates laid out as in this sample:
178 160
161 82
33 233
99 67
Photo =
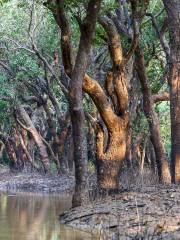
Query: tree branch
160 35
160 97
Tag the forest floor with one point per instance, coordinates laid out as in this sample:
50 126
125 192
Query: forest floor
150 212
143 210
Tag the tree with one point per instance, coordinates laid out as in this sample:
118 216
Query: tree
154 127
76 73
173 11
88 72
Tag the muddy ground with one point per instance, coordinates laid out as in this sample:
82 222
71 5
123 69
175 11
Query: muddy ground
149 213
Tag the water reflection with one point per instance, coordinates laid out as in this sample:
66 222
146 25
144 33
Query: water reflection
35 217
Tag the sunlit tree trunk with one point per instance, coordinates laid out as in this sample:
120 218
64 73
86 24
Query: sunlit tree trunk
110 157
111 154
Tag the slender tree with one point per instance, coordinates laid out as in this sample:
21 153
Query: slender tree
154 126
173 11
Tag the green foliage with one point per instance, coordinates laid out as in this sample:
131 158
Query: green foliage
163 110
3 1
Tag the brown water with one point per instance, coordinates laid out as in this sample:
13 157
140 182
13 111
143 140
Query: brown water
25 216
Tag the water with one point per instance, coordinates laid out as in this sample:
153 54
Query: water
25 216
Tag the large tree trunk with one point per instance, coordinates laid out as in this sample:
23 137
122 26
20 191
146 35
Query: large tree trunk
76 101
111 155
109 161
154 127
114 114
173 11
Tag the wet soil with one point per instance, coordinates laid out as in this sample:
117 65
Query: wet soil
151 212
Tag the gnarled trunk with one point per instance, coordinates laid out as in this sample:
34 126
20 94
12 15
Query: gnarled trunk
114 114
109 160
29 126
111 155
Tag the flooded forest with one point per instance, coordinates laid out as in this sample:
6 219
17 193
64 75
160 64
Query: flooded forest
89 119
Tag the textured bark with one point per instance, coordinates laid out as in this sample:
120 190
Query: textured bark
66 49
75 90
76 103
91 143
154 127
114 115
61 141
57 7
110 157
109 86
26 152
21 155
175 121
54 136
29 126
129 149
10 151
173 10
109 160
111 154
115 49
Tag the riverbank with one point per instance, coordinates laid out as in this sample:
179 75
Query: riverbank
151 211
148 213
33 182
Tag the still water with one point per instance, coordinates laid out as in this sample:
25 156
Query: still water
25 216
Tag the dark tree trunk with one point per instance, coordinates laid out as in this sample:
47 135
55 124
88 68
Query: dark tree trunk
129 149
21 156
10 151
91 143
76 102
70 154
75 90
53 133
173 10
154 127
